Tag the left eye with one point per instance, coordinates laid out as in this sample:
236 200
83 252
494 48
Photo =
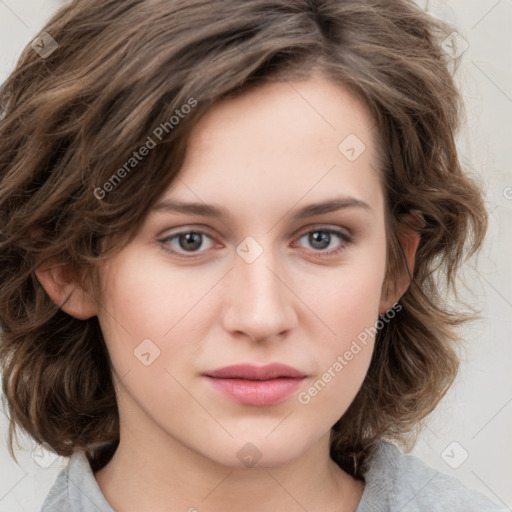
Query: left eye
321 240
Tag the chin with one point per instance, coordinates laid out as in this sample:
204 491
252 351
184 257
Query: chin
258 452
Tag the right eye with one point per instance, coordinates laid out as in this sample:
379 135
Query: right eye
185 241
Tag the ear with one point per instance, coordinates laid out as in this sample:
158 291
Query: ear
62 288
409 240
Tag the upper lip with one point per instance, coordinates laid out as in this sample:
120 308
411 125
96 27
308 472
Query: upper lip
251 372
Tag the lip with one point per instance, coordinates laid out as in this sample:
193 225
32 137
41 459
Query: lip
256 385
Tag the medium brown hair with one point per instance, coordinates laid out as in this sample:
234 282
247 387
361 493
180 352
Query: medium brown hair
73 118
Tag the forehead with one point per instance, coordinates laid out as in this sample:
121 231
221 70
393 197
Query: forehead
316 111
281 142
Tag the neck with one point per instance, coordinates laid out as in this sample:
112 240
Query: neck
175 477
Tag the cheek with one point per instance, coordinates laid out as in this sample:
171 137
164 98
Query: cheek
349 305
144 301
348 300
343 359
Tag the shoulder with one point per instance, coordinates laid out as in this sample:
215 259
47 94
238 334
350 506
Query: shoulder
57 498
401 482
75 489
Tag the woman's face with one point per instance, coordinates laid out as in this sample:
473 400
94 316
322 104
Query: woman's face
272 280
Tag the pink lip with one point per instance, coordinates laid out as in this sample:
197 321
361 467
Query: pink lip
253 385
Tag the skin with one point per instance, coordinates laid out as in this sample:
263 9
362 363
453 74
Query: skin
261 156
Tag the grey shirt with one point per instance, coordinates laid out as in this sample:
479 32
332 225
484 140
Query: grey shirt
394 482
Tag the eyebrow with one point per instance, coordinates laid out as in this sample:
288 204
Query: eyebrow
208 210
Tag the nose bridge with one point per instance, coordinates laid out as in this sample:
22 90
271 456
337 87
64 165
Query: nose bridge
259 303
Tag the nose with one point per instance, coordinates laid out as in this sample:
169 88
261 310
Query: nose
259 302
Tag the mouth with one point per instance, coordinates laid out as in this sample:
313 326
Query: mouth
256 386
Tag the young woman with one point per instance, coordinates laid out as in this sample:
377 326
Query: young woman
226 231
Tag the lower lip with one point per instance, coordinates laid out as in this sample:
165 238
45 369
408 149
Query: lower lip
257 392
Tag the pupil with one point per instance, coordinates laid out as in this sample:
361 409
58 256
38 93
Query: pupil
192 241
324 237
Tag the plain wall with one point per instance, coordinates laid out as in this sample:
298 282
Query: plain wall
474 420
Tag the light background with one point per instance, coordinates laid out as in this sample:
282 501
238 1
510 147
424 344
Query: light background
475 417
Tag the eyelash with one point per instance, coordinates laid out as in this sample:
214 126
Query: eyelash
344 237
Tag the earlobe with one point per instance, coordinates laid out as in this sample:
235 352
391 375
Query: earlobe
62 289
409 239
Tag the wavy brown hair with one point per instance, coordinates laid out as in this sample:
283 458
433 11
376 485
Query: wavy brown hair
73 118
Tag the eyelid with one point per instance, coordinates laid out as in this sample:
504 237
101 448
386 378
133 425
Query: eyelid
324 227
186 228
